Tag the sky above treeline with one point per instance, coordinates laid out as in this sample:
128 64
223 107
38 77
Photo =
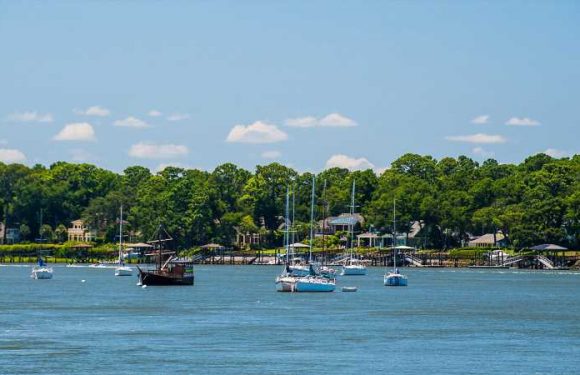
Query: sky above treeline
310 84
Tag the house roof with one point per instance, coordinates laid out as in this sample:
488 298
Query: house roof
487 239
415 229
347 219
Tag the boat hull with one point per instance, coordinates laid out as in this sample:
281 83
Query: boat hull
152 278
354 271
395 280
312 286
286 284
123 271
41 273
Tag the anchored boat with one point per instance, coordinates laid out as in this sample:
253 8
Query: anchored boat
41 270
353 266
169 270
122 269
394 278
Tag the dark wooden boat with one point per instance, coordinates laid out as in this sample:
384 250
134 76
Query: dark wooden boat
169 270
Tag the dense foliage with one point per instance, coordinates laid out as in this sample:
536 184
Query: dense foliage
534 202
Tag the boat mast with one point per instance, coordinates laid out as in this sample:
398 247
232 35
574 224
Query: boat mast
311 219
324 211
352 220
293 229
121 235
394 236
286 232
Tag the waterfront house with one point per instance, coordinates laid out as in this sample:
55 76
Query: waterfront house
79 232
489 240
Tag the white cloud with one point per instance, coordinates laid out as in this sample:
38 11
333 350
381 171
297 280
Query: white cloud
524 121
483 119
337 120
353 164
93 111
80 131
556 153
302 122
157 151
480 151
258 132
271 154
131 122
477 138
8 156
331 120
178 117
154 113
31 116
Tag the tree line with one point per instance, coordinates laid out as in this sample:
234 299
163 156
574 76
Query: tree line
536 201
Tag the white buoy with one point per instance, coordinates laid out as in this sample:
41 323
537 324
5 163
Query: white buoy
82 281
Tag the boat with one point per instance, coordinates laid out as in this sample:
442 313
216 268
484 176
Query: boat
394 278
293 279
122 269
169 270
286 281
349 288
353 266
41 271
311 283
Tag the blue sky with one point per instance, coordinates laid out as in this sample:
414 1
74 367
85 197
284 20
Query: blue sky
306 83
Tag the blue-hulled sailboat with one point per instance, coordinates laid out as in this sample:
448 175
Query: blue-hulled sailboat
394 278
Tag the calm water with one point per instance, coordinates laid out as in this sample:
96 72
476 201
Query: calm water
234 322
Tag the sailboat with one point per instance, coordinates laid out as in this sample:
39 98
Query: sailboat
41 270
286 281
122 269
394 278
169 270
353 266
292 279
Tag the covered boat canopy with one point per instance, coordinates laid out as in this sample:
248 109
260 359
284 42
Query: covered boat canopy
548 247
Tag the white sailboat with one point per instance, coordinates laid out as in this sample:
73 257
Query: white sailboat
41 271
286 282
353 266
122 269
291 280
394 278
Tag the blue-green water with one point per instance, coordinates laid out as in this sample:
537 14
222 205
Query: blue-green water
234 322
